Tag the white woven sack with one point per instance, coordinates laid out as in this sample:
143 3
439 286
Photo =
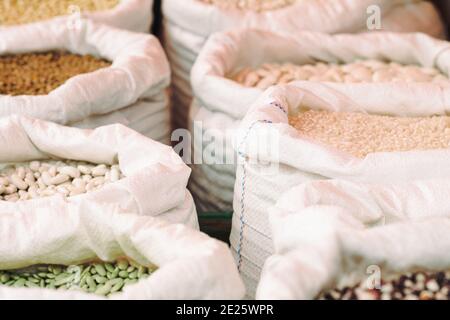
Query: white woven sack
372 204
220 102
293 159
315 246
189 23
212 182
133 15
155 177
131 88
329 16
191 265
226 53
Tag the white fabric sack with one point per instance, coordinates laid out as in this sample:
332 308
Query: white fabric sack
155 177
329 16
213 132
191 265
315 248
372 204
133 88
288 159
189 23
220 103
133 15
227 53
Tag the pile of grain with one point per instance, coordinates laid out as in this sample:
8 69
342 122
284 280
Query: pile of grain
13 12
40 73
361 134
370 71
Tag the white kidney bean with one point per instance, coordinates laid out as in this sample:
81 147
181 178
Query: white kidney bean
99 170
18 182
70 171
360 71
36 179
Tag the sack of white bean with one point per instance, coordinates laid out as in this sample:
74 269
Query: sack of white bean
133 15
51 165
300 132
392 246
74 87
189 23
235 67
96 250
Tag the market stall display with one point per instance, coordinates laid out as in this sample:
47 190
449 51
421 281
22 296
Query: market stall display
234 68
129 89
133 15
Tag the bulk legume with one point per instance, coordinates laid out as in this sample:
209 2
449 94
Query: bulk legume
369 71
40 73
36 179
254 5
100 278
14 12
361 134
411 286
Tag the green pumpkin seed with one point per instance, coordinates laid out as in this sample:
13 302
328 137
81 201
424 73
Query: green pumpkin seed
123 274
103 289
100 269
122 264
65 280
141 271
119 285
109 267
130 281
34 280
19 283
31 284
56 270
61 276
4 278
100 279
10 283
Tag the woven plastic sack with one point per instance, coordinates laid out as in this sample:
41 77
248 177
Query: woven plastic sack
288 158
132 91
133 15
189 23
315 246
190 264
220 103
150 168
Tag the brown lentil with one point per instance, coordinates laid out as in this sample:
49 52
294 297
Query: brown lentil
411 286
13 12
360 134
40 73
